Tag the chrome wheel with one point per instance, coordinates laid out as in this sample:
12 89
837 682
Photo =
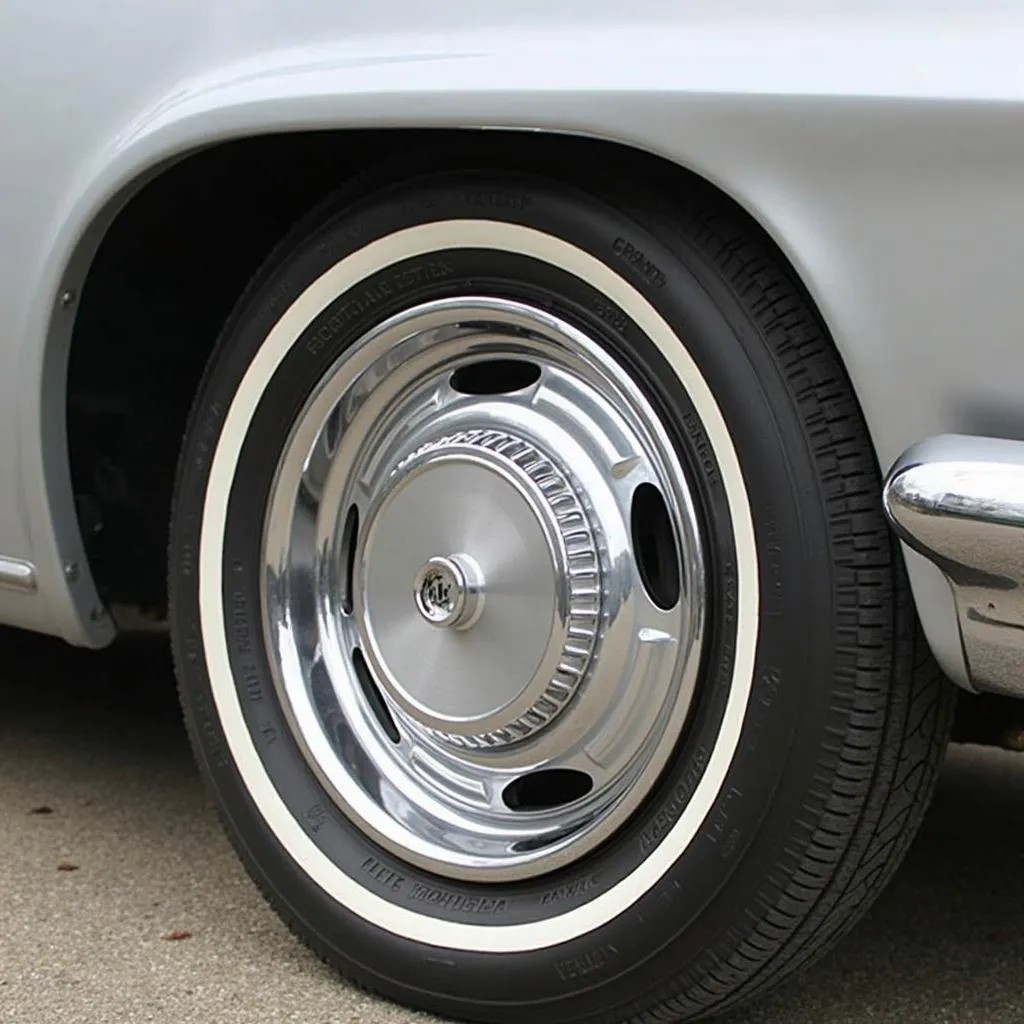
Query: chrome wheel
484 591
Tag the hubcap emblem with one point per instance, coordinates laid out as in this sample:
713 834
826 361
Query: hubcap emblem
441 591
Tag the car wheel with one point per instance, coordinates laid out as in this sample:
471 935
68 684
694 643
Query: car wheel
538 629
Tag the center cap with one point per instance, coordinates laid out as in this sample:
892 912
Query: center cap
479 666
448 592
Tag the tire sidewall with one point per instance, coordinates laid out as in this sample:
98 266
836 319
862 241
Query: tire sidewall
690 909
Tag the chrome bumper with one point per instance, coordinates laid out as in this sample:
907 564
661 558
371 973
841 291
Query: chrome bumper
959 502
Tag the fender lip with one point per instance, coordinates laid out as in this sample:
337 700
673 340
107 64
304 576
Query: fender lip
958 500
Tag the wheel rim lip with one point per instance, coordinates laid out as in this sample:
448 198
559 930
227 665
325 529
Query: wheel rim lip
442 314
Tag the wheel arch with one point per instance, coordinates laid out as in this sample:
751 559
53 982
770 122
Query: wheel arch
169 156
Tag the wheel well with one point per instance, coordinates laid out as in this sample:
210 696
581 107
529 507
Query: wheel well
164 280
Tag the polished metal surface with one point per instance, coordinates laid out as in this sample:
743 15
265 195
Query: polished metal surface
530 540
452 598
17 574
448 592
959 502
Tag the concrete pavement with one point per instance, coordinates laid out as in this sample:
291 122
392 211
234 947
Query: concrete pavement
96 775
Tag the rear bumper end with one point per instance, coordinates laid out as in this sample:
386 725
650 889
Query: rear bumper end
959 502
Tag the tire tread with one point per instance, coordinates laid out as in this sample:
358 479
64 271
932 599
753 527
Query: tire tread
882 771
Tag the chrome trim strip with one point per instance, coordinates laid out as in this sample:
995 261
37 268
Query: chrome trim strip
959 501
17 574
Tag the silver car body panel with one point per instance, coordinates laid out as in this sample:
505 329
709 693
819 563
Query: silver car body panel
880 144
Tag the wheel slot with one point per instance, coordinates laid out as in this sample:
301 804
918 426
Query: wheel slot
546 789
495 377
654 546
348 544
374 697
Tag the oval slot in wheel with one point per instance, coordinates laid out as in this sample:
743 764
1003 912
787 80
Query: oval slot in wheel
495 377
546 789
348 545
654 546
374 697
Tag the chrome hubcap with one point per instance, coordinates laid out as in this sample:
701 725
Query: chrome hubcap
484 594
521 602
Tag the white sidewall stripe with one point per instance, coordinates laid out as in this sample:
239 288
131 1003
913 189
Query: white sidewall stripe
418 241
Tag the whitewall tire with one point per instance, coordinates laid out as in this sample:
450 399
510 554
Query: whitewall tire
532 596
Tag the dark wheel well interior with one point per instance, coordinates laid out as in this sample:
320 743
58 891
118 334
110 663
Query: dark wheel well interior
164 280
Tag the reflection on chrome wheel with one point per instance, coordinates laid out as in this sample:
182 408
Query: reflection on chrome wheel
538 627
485 655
